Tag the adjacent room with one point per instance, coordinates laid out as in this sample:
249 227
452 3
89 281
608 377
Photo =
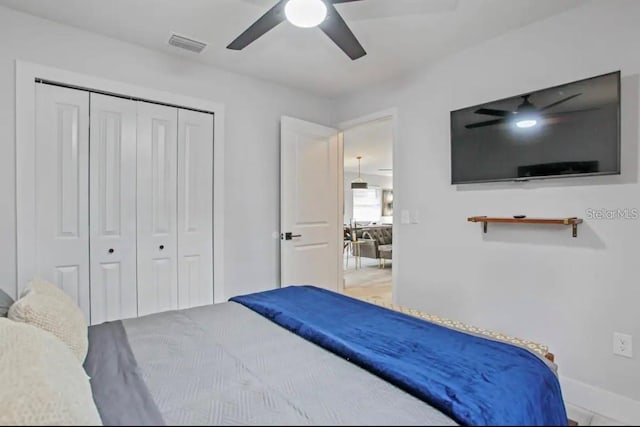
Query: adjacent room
368 210
319 212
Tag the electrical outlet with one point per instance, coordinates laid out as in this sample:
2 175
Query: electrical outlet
622 344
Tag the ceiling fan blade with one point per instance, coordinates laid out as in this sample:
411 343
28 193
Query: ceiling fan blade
566 113
338 31
483 124
562 116
269 20
492 112
562 101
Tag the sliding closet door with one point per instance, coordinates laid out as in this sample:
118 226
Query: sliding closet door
195 208
61 182
157 211
113 208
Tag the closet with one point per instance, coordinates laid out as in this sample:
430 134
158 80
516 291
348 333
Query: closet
124 202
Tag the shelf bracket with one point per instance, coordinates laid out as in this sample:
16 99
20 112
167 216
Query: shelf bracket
575 230
484 226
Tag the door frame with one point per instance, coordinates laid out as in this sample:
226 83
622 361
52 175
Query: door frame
345 126
27 74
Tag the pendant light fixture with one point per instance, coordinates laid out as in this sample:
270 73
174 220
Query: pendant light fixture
359 183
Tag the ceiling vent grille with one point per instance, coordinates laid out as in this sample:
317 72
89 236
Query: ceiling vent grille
186 43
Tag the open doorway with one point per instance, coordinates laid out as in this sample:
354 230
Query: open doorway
368 210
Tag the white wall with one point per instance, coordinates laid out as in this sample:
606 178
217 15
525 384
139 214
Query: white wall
252 149
534 282
383 182
529 281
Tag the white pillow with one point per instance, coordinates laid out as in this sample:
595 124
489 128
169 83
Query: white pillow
49 308
42 381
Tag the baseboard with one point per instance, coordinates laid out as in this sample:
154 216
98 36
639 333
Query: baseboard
601 402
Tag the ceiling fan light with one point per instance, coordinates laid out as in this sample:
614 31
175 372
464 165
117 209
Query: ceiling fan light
305 13
526 123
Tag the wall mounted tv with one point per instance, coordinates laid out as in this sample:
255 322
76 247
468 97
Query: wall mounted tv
567 130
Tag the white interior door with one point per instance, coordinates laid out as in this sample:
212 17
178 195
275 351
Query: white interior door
157 209
195 208
112 208
61 182
309 207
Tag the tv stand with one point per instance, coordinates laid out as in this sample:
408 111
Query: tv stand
573 222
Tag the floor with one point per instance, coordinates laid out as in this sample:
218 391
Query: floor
586 418
368 281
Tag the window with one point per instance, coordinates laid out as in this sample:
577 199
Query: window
367 205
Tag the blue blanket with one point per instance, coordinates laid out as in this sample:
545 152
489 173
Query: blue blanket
473 380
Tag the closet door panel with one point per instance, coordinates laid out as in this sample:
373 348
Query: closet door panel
113 208
195 208
157 216
61 198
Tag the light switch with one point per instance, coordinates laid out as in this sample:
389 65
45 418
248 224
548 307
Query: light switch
415 217
404 217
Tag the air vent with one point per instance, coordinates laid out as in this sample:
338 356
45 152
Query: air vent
186 43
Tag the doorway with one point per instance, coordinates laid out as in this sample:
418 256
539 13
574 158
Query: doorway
367 249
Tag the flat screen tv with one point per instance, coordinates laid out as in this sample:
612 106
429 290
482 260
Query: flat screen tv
567 130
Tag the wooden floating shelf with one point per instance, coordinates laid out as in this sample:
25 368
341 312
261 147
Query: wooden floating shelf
573 222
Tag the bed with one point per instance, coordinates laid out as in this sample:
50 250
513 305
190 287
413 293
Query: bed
269 359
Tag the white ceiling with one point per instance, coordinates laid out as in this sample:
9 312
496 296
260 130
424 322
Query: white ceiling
399 35
374 142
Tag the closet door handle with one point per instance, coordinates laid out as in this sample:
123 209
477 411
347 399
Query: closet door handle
161 247
111 250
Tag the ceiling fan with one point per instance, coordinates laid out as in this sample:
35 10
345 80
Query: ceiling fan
305 14
526 115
